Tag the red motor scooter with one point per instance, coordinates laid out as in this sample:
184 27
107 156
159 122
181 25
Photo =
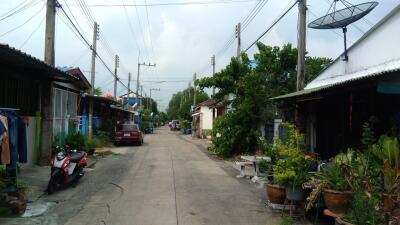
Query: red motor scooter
66 168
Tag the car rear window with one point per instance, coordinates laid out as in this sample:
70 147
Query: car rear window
129 127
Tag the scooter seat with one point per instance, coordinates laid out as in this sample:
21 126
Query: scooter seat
76 156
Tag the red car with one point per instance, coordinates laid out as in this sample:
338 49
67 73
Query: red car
128 133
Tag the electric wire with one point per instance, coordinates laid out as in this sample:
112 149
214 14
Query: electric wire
149 28
245 21
245 25
73 16
34 31
130 25
14 9
21 25
141 30
172 3
272 26
90 47
23 8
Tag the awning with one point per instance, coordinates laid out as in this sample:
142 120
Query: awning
301 93
369 73
196 114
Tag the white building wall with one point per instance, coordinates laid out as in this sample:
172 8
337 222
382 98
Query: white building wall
207 120
378 46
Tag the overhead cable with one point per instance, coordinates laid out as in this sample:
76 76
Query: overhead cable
172 3
21 25
272 25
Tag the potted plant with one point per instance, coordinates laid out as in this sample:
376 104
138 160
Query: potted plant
292 167
387 149
333 182
276 193
336 190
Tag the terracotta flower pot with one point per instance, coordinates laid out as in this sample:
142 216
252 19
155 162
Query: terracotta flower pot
337 202
389 202
276 193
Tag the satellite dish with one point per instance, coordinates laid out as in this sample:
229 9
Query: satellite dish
342 18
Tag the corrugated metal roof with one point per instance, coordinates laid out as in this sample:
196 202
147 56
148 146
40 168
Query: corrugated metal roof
393 66
10 55
368 72
299 93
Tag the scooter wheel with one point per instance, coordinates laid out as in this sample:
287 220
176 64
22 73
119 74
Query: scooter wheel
51 187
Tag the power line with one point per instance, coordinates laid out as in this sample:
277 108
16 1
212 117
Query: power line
272 26
30 18
130 25
73 16
16 11
245 24
245 21
173 3
148 26
88 44
141 30
34 31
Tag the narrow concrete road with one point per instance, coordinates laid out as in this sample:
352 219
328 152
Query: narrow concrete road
171 181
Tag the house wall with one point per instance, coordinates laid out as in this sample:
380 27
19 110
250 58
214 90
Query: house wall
378 46
31 140
206 118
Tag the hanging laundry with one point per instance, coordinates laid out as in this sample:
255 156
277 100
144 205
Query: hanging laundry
13 138
4 141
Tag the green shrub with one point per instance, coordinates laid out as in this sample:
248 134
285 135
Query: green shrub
104 138
363 210
333 176
77 141
265 166
286 221
292 168
93 143
231 138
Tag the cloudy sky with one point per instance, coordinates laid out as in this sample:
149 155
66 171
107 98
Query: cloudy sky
179 38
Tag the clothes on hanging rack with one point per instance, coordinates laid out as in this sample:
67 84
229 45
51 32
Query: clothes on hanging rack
17 139
4 141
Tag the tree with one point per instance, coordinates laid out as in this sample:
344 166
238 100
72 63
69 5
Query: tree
150 105
237 131
179 106
97 91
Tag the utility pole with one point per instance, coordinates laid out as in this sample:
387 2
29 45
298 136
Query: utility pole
213 65
45 108
116 76
301 44
189 87
194 90
129 83
213 90
138 81
50 32
92 76
239 40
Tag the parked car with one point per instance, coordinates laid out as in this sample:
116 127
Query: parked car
128 133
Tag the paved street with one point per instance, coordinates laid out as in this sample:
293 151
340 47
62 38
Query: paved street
168 181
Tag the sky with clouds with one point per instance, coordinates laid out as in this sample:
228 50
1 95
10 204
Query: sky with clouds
179 39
